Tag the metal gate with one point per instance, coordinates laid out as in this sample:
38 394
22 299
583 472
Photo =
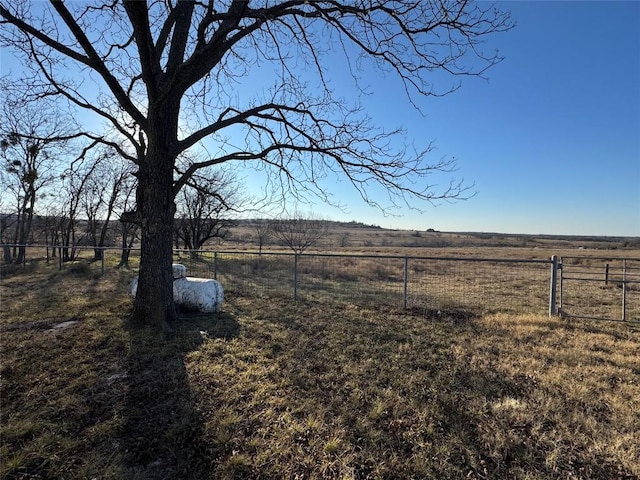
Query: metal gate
599 288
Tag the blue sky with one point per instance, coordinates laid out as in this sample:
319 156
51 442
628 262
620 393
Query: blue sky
551 140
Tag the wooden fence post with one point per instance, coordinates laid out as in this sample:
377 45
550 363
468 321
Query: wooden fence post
215 265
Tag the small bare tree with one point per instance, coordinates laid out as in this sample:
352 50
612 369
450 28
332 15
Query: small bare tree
129 232
32 140
75 181
99 199
264 230
5 224
204 206
300 231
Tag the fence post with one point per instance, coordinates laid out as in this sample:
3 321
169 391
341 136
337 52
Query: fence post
406 283
561 267
624 290
103 250
215 265
295 276
606 274
552 288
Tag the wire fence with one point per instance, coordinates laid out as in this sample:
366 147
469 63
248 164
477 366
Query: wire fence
474 285
428 284
572 286
600 288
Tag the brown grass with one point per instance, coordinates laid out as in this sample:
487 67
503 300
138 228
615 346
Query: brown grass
273 389
362 239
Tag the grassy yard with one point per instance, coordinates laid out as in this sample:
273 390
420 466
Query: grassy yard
270 389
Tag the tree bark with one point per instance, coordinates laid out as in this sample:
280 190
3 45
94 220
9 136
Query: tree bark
154 305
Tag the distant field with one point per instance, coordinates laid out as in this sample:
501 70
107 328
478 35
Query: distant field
372 277
357 238
309 390
347 238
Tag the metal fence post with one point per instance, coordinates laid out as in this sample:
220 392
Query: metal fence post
561 267
624 290
215 265
406 283
295 276
552 288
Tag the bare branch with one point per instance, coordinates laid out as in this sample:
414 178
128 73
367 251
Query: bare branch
95 62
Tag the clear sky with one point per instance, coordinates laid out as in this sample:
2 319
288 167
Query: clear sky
552 140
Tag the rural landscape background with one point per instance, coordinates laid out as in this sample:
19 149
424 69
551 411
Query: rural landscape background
136 135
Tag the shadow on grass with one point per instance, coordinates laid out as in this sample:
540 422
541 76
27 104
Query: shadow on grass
163 428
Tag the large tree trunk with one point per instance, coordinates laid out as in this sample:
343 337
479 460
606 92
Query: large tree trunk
153 305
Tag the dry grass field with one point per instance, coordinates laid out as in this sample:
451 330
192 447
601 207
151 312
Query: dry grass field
272 389
364 239
444 277
484 286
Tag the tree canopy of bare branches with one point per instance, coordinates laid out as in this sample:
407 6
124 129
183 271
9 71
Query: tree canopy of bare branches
32 142
168 74
204 206
300 231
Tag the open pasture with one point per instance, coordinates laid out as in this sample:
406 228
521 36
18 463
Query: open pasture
272 389
428 271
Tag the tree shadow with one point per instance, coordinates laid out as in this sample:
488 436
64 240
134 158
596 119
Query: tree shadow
162 435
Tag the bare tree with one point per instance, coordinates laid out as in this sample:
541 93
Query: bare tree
100 196
75 181
32 140
167 72
5 224
128 231
300 231
264 230
50 223
203 208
